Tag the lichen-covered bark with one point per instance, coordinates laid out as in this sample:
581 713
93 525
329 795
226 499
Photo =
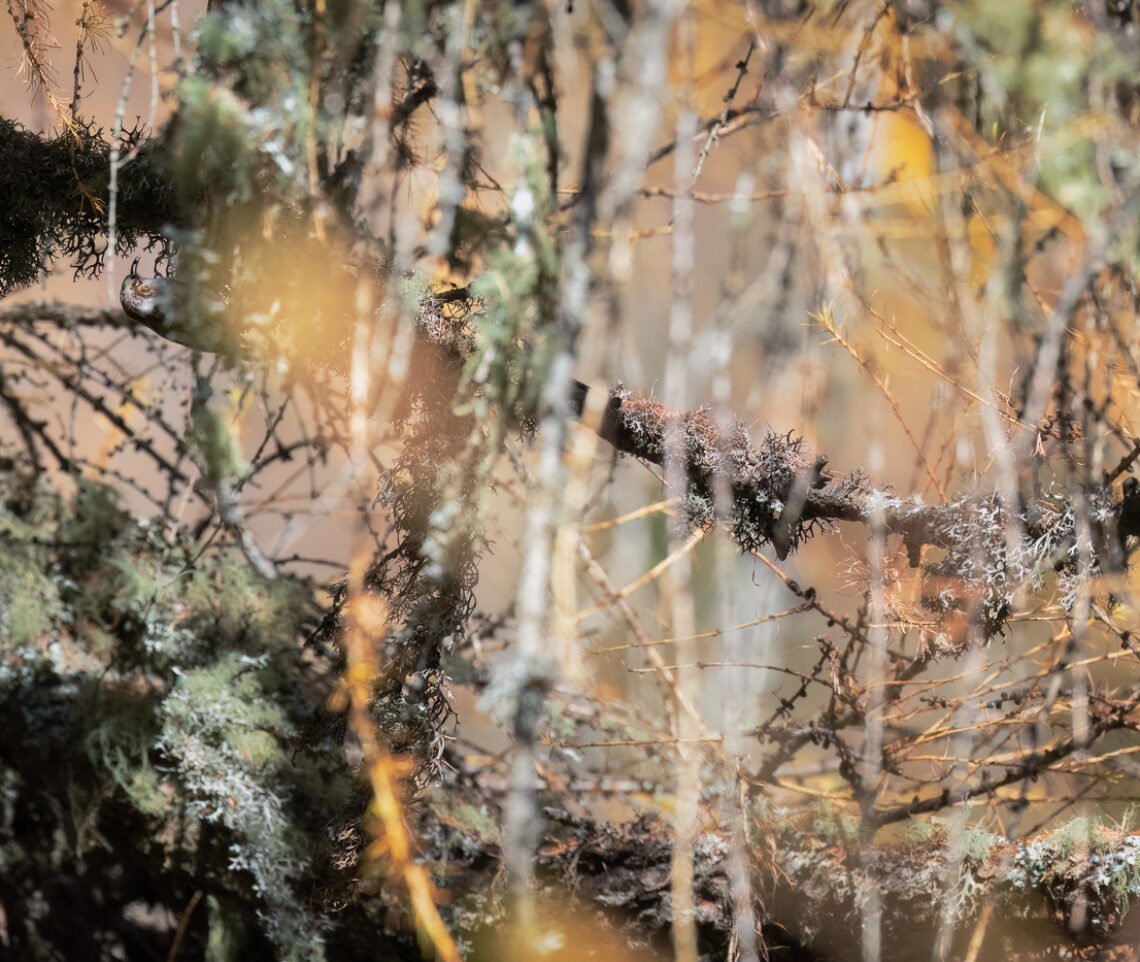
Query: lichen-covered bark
56 192
1059 895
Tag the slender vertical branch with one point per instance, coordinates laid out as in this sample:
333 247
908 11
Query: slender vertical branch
679 575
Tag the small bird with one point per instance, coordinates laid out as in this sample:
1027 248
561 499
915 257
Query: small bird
152 301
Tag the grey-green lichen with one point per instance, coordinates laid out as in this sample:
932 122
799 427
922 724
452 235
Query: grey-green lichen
1085 862
935 877
150 728
992 556
1085 873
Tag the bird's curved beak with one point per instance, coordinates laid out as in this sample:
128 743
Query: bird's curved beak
134 267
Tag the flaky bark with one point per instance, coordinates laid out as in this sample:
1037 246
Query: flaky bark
1044 898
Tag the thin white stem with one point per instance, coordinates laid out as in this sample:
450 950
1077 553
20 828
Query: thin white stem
116 161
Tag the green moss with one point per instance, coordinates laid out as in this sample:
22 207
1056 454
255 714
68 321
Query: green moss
833 825
159 701
1039 61
977 844
244 113
920 833
470 820
1088 856
28 602
1078 835
217 445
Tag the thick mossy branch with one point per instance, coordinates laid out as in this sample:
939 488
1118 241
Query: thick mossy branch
1048 896
769 482
56 192
781 496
